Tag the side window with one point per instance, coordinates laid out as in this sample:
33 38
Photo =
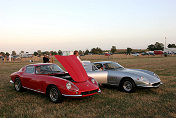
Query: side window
30 69
94 68
98 65
107 66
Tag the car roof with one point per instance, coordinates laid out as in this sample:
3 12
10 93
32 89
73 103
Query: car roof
40 64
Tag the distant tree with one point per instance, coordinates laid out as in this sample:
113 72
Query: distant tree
80 52
93 50
22 52
171 46
2 53
156 46
86 52
35 53
96 50
129 50
60 52
151 47
46 52
159 46
113 49
39 52
13 53
53 52
7 54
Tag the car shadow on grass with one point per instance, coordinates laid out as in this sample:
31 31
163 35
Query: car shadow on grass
106 89
139 90
43 97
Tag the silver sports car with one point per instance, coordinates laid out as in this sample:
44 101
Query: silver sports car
112 73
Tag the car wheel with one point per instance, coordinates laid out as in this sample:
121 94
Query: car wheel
128 85
18 85
55 95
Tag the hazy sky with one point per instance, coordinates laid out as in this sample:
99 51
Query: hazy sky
30 25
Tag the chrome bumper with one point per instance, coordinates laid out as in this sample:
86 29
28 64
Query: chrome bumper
71 95
150 85
99 91
11 82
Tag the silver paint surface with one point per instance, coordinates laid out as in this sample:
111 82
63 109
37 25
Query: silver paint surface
142 78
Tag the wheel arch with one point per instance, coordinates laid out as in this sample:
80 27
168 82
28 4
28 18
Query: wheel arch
15 77
48 87
120 83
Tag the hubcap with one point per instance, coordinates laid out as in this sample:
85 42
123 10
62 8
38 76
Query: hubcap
53 94
127 86
17 85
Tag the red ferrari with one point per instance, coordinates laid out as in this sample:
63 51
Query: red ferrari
51 80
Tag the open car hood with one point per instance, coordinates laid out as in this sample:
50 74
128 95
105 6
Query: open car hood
73 66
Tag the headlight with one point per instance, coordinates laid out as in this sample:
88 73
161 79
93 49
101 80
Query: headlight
68 85
141 78
93 81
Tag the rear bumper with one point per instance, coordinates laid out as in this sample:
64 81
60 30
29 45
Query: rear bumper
80 95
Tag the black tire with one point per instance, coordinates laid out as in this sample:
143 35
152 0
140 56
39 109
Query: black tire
17 85
128 85
54 94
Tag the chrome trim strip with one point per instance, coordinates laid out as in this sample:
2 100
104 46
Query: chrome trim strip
11 82
71 95
33 90
148 86
99 91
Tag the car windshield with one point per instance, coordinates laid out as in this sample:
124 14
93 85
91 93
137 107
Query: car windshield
112 66
48 69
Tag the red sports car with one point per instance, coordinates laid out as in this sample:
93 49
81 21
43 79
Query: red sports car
51 80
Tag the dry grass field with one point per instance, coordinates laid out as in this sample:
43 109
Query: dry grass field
155 102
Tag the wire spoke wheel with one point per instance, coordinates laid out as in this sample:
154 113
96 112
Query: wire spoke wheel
53 94
17 85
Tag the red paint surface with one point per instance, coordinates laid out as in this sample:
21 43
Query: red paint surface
73 66
39 82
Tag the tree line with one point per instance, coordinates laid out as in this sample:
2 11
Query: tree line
97 50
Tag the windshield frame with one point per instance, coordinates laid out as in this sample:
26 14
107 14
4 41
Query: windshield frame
49 71
116 66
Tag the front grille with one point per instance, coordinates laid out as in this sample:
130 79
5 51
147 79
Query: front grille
156 84
89 92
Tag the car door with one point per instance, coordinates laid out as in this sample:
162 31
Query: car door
113 79
39 80
28 76
100 76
